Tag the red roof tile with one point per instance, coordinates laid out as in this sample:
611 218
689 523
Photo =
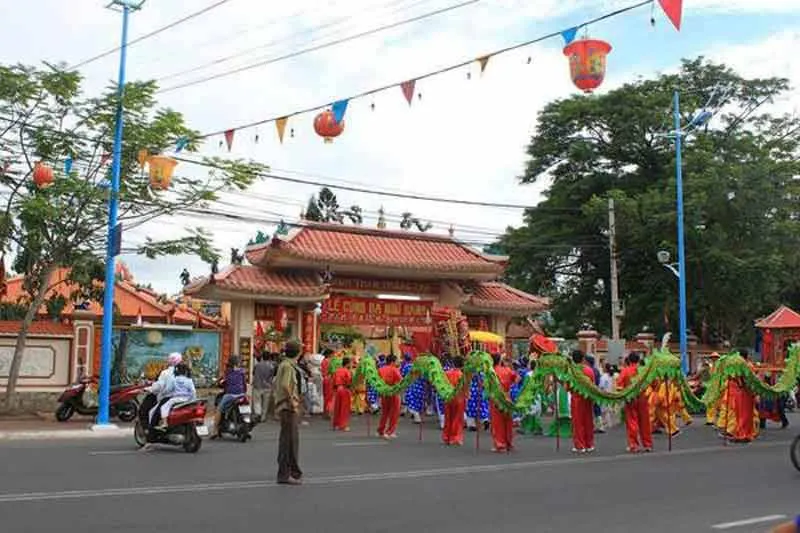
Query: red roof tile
44 327
337 244
494 295
781 318
261 281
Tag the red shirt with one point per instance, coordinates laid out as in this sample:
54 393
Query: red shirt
390 374
626 376
506 376
454 376
587 371
323 368
342 378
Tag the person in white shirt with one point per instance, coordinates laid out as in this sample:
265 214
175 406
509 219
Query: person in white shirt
163 387
182 391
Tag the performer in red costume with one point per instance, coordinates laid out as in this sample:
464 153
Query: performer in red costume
343 396
453 430
327 384
390 405
743 404
637 411
582 411
502 423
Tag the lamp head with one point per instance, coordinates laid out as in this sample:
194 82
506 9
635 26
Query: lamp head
663 257
700 119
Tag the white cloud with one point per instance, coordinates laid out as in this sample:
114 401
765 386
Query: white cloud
463 139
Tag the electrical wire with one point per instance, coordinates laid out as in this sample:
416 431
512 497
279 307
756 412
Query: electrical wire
430 74
153 33
316 48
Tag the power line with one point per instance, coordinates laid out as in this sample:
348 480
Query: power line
310 49
151 34
289 37
430 74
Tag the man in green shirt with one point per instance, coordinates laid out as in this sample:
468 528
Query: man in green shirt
287 406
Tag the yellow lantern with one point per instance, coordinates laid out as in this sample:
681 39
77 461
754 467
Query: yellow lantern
161 168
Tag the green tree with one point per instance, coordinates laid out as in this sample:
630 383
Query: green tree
740 195
324 207
44 117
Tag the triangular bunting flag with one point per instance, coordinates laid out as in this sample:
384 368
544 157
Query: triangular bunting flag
68 165
483 61
408 90
104 159
280 124
569 35
229 138
674 10
339 109
181 144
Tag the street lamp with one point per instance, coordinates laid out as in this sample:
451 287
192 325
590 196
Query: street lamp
114 239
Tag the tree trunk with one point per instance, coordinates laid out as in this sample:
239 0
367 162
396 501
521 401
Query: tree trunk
22 337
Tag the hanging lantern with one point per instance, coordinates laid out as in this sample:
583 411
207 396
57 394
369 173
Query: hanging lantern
587 63
326 126
161 168
281 319
42 175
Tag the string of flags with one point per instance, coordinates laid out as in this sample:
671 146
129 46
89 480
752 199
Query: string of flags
587 62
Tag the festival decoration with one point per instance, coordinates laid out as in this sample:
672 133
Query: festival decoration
327 127
161 168
569 35
142 156
68 165
42 175
281 319
280 124
229 138
181 144
483 61
674 11
408 90
587 63
339 109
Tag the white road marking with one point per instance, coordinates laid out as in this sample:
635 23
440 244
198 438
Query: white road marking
341 479
362 443
750 521
116 452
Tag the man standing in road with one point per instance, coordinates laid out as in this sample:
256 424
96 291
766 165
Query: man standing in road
263 372
287 405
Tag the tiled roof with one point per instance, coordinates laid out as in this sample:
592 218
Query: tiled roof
338 244
781 318
44 327
492 295
261 281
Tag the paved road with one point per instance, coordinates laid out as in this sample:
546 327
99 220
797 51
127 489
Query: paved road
356 484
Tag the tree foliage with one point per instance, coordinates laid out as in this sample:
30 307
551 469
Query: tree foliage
741 193
324 207
45 117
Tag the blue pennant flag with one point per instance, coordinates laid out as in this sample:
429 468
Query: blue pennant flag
181 144
339 109
68 165
569 35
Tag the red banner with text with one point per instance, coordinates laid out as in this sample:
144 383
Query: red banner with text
350 310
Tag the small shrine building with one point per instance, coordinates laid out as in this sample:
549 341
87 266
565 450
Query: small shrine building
778 331
320 274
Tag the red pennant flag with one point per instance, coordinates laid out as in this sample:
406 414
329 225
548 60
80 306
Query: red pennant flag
229 138
408 90
673 9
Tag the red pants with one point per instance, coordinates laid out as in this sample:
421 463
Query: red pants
637 423
327 395
342 406
390 414
453 431
582 422
502 429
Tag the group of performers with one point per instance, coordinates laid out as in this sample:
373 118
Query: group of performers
655 410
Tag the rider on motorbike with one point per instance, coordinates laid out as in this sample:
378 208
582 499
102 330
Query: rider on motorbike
235 384
183 391
164 386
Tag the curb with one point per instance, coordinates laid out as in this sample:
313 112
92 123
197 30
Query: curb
66 434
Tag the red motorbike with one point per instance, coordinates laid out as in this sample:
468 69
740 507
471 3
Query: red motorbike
123 400
185 426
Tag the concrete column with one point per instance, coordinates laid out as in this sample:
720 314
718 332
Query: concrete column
587 341
83 344
646 338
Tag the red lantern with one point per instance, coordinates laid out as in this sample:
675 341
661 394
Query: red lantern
587 63
42 175
326 126
281 319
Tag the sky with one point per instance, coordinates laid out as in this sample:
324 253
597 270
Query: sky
465 138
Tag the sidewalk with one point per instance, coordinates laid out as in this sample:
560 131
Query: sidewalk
40 428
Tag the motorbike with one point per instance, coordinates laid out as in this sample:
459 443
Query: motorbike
237 419
185 426
123 400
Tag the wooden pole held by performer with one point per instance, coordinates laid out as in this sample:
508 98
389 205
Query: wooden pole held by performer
478 420
669 414
557 422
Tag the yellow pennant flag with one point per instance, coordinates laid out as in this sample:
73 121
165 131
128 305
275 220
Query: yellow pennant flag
281 125
483 60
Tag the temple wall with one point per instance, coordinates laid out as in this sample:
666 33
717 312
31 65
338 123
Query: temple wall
449 296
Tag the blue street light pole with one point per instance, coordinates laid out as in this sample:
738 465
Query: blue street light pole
112 246
676 111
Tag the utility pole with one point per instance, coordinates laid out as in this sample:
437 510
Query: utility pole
676 115
612 246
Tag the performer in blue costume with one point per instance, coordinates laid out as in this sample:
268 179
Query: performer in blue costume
415 398
372 395
477 405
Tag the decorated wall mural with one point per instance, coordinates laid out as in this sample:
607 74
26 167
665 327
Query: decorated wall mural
143 352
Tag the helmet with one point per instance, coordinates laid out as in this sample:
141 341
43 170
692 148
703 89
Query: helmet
174 358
